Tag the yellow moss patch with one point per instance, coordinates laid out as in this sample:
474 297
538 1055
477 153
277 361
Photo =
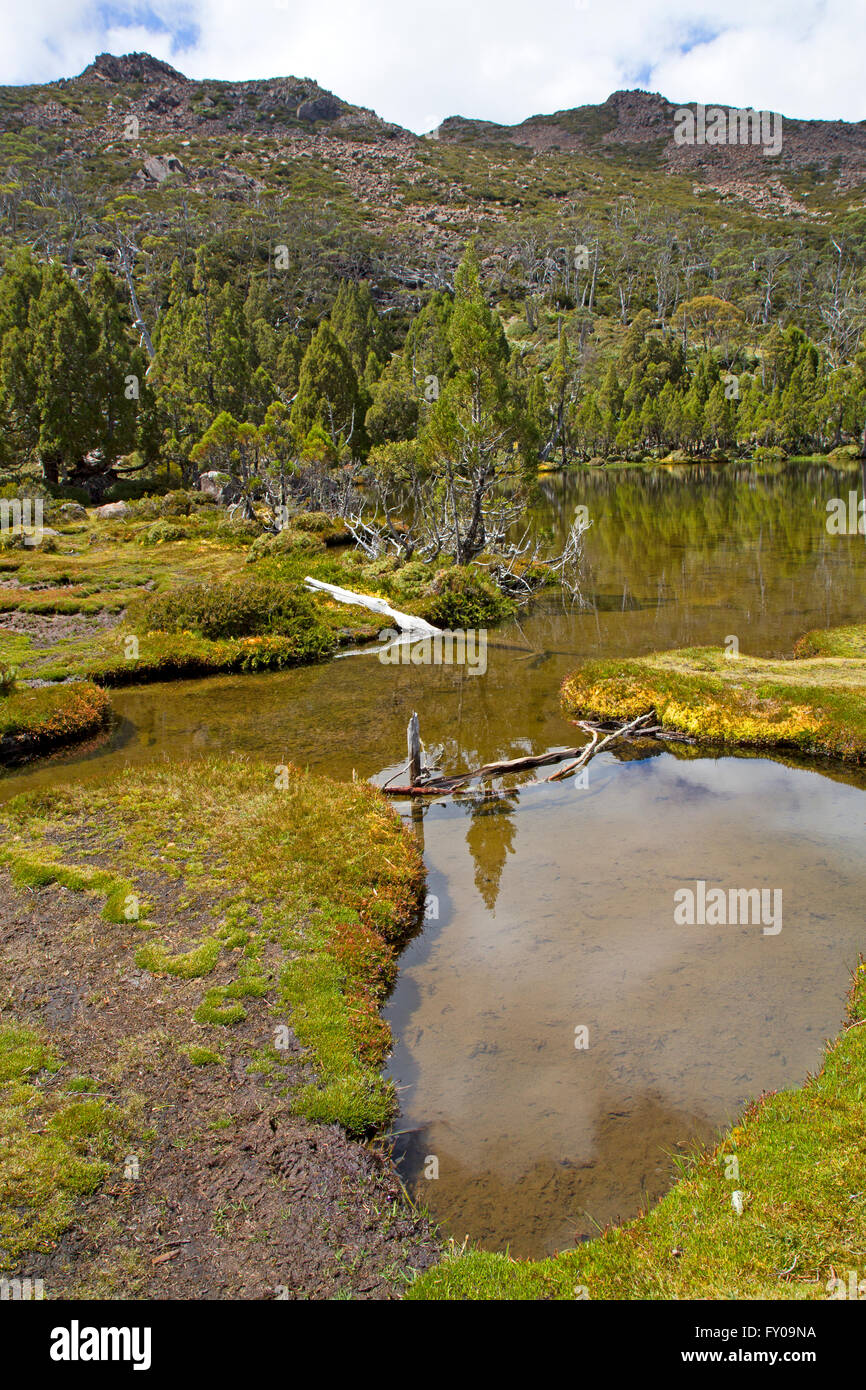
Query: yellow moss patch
817 705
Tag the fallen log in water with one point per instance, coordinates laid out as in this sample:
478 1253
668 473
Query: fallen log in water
406 622
643 726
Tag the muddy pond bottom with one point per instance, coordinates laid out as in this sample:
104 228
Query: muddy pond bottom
560 1038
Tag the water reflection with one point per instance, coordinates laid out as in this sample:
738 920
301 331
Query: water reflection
562 918
555 902
490 840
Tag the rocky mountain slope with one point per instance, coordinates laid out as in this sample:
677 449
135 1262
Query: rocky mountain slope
639 122
133 150
138 98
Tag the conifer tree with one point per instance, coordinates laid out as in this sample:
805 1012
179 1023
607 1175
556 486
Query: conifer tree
63 345
118 371
328 394
472 437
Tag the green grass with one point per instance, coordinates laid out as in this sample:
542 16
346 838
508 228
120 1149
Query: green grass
33 720
816 704
52 1152
323 871
801 1159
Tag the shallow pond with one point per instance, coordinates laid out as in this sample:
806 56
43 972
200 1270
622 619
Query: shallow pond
552 909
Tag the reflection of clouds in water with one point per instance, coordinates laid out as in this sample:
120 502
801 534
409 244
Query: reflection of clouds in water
699 1018
564 1194
803 802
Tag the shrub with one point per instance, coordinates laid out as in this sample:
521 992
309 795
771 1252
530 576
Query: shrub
177 503
332 530
313 521
145 508
231 608
234 528
464 597
375 571
163 531
412 580
285 542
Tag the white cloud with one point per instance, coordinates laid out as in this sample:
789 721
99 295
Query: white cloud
498 59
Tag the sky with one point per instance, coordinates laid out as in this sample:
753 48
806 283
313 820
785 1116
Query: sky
417 61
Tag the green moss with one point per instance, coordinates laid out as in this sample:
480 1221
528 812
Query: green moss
203 1057
213 1010
52 1153
187 965
121 902
23 1052
248 987
816 705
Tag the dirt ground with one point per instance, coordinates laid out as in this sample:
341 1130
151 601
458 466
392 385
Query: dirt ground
46 630
224 1194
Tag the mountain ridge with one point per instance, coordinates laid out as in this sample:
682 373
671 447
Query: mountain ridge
631 123
131 148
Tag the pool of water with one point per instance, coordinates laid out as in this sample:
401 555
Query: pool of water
554 904
556 914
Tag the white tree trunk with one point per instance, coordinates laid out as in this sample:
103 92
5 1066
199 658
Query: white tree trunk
406 622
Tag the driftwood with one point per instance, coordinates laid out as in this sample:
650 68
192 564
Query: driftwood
644 726
413 744
407 622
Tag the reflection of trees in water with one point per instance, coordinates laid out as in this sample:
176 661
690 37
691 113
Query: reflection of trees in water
700 506
490 838
455 754
664 536
675 558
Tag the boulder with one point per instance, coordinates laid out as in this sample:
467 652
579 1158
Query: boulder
73 511
319 109
163 101
158 167
112 511
215 485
